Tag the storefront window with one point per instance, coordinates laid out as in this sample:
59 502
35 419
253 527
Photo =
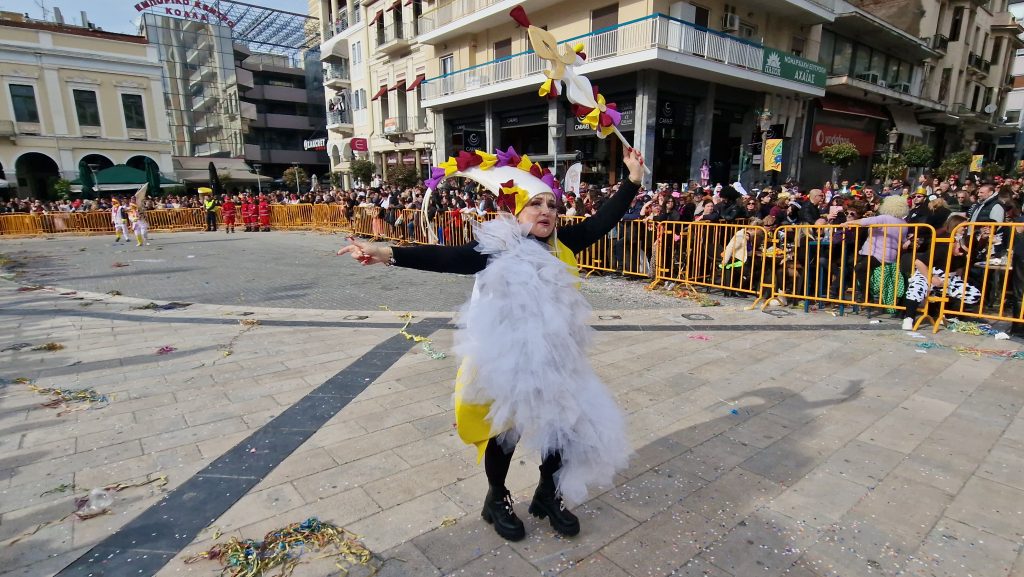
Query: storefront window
862 61
844 55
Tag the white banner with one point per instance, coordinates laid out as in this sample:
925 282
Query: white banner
571 182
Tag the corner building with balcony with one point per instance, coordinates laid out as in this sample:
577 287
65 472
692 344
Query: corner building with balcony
373 71
693 80
74 94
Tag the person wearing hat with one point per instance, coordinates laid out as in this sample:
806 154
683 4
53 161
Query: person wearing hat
139 225
210 204
525 377
227 212
729 209
119 218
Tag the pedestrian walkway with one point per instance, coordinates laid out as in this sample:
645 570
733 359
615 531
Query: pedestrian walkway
765 445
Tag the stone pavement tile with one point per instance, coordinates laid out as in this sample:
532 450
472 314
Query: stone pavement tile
170 462
296 466
762 430
449 548
699 566
1004 464
551 553
398 415
712 458
954 549
991 507
52 450
44 432
595 565
259 505
910 423
903 507
666 541
349 475
127 505
733 496
697 427
855 546
396 525
652 454
437 446
440 423
30 494
42 554
120 434
504 561
193 434
260 418
356 445
766 543
207 412
46 469
213 448
863 463
818 499
406 560
654 491
342 509
788 460
402 486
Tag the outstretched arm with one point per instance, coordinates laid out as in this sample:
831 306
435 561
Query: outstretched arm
463 259
588 231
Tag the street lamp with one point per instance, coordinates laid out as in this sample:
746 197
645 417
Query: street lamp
295 172
893 137
556 133
764 122
257 166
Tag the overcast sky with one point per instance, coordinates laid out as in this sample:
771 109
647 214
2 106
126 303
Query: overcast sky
118 15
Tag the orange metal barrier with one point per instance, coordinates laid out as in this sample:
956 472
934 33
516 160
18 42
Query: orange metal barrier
177 219
730 257
824 263
988 257
291 216
19 225
330 217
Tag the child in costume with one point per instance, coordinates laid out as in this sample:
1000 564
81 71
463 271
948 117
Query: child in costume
139 224
119 218
525 378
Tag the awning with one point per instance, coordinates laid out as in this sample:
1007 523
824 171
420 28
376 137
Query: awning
906 121
398 84
415 83
396 6
407 2
383 90
377 18
848 106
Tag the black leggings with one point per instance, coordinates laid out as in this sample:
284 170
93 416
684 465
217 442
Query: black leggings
497 462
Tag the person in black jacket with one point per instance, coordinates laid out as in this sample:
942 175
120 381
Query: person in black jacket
536 212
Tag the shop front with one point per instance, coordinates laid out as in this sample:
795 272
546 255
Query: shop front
836 120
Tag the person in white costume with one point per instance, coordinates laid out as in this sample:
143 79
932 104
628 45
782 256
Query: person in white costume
525 377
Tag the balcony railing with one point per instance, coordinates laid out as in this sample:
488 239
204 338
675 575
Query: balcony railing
939 42
961 109
402 125
448 13
985 66
338 71
974 61
337 27
394 32
654 31
335 117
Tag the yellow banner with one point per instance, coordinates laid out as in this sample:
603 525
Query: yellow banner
772 154
976 161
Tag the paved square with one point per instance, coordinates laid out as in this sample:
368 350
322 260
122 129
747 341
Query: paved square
807 445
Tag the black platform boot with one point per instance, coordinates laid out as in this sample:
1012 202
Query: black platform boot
547 503
499 512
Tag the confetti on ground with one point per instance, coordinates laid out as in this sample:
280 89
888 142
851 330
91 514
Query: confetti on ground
119 265
86 398
165 350
969 328
448 521
248 324
30 288
114 293
427 344
51 347
62 488
974 351
699 338
284 547
151 306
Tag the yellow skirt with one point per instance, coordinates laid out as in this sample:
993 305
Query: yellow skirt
471 419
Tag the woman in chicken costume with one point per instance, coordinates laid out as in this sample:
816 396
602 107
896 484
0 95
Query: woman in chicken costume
525 377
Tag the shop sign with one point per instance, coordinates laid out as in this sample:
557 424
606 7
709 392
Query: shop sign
675 113
823 135
391 125
187 9
358 145
524 119
789 67
626 107
392 159
472 140
409 158
315 144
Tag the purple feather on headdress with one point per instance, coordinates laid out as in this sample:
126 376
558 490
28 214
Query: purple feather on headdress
507 157
436 174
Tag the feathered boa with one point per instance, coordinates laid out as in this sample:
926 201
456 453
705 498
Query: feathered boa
524 336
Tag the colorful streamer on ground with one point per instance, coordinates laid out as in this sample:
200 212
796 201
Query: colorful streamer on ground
969 328
86 398
284 547
426 343
975 351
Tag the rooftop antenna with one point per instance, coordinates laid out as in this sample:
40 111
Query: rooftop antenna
46 11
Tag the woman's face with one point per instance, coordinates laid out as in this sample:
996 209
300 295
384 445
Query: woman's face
541 213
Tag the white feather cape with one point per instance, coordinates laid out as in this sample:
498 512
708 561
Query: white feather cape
524 334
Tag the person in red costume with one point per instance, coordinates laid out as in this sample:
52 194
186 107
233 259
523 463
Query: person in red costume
249 214
227 211
264 213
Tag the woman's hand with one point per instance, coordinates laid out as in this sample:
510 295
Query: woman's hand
367 252
634 161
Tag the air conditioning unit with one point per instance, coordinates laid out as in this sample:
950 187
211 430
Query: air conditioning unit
730 23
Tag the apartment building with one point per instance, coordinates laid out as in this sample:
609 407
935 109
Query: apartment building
72 93
373 70
975 42
229 97
1012 113
695 81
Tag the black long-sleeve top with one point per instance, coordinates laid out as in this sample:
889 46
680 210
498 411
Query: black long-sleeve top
465 259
